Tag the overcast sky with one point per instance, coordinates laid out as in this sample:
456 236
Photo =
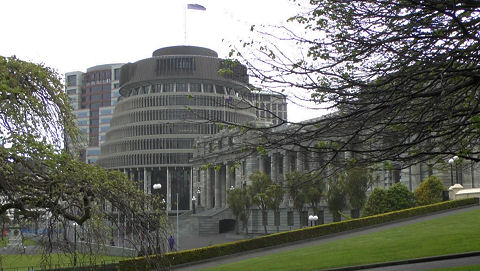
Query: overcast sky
75 35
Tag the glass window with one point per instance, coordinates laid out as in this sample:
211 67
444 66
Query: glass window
208 88
116 74
181 87
72 91
95 98
219 89
169 87
195 87
106 96
71 80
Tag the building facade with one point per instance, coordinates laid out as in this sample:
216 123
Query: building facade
167 101
93 96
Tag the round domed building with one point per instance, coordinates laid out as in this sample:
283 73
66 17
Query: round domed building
167 101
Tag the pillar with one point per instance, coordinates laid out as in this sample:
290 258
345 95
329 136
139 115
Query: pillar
147 181
274 167
208 188
299 161
218 189
286 164
169 191
261 163
228 180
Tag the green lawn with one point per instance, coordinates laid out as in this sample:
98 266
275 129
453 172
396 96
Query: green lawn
22 262
453 234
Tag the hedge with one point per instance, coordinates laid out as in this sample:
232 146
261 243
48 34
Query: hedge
198 254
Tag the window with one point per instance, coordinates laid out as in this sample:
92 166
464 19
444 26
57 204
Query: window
106 96
219 89
72 91
208 88
195 87
116 74
181 87
71 80
169 87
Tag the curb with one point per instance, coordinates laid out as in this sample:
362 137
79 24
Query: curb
409 261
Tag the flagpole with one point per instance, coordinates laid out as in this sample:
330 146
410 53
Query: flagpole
185 24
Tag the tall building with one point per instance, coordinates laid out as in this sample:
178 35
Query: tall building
270 108
94 95
167 101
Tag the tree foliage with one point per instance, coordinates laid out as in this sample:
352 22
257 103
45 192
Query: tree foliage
336 198
258 192
398 77
395 198
240 202
357 180
430 191
40 177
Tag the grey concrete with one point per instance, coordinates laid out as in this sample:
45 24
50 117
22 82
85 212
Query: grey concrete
267 251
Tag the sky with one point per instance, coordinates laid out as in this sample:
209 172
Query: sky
75 35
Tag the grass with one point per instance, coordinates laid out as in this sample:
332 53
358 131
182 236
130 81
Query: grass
453 234
22 262
3 242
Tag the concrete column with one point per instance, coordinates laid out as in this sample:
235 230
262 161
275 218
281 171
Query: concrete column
274 167
261 163
208 188
299 161
203 181
228 180
223 188
252 167
169 191
146 181
286 164
218 189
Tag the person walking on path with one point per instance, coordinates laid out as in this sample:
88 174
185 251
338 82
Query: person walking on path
171 243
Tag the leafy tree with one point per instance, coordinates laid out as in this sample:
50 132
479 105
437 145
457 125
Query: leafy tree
239 201
295 181
377 202
275 193
399 77
400 198
357 181
40 177
336 198
430 191
258 191
314 190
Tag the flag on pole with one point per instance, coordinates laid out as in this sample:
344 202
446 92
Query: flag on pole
196 7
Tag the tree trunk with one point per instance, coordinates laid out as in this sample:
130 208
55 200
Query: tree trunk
264 220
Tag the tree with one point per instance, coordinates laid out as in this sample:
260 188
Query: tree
430 191
258 192
336 198
40 177
275 193
377 202
400 198
314 191
357 181
239 201
398 77
295 181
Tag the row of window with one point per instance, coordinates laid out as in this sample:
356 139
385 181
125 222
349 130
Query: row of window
145 159
173 100
181 114
163 129
181 87
148 144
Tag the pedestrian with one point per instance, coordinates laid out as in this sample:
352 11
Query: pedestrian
171 243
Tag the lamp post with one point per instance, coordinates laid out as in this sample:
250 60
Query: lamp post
74 244
451 161
312 218
193 203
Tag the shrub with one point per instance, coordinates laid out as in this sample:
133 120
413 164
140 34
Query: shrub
430 191
198 254
400 198
377 202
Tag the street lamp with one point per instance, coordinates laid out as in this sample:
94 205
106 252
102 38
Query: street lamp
451 161
74 244
193 203
312 218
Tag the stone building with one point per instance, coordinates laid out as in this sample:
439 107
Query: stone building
167 101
